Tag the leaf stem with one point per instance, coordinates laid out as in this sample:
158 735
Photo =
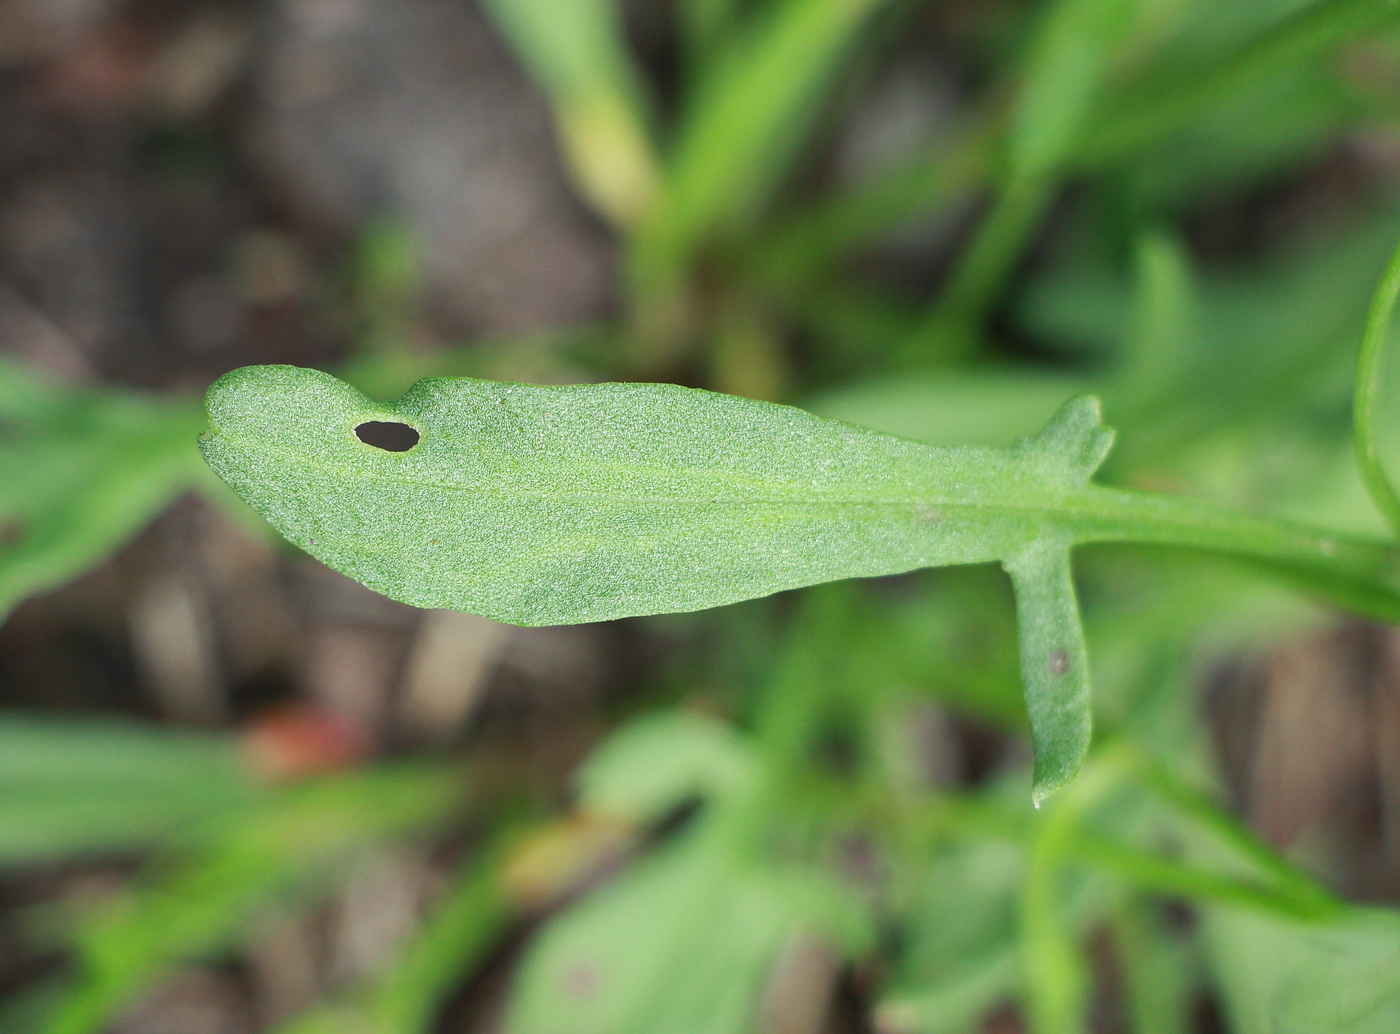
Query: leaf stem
1358 572
1367 394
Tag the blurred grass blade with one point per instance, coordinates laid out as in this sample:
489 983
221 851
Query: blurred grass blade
282 850
71 789
1162 104
460 929
1059 92
1057 968
798 254
1148 870
1140 117
1164 316
81 470
1159 971
746 113
472 914
1368 391
577 51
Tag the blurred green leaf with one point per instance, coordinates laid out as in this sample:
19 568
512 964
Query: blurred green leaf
81 470
975 406
962 955
1291 977
683 941
661 761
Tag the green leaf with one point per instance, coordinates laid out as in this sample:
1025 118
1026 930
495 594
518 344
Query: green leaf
1368 390
1054 664
555 505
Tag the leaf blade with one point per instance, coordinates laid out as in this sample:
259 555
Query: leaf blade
557 505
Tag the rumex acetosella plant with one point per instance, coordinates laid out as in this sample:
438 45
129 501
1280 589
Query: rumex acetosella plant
790 798
542 505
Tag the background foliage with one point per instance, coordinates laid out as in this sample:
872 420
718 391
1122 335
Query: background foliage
241 793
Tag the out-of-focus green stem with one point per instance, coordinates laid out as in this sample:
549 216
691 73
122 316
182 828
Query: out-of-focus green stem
1056 970
948 330
1367 395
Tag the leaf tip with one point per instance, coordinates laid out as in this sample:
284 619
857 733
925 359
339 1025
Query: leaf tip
1075 439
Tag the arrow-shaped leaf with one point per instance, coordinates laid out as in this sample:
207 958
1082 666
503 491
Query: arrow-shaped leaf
542 505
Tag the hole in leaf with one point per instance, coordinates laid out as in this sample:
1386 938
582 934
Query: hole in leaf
387 435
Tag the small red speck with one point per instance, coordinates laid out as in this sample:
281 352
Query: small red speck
298 741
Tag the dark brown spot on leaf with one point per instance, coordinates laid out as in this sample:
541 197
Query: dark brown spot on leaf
11 531
581 980
1059 663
